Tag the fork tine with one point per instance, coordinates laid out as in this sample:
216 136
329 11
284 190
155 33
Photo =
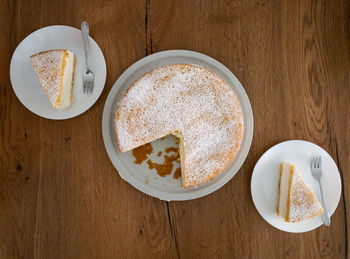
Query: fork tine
315 162
319 162
90 87
87 86
84 86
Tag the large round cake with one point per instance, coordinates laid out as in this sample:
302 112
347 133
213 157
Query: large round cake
190 102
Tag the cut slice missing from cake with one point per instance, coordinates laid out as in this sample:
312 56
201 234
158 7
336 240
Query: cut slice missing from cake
296 200
55 69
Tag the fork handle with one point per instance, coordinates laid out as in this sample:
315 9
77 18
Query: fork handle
85 36
325 216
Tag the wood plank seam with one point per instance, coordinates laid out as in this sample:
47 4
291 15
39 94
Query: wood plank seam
173 233
344 201
149 50
148 33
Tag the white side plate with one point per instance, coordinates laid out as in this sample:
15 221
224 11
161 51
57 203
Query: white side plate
265 178
27 86
145 180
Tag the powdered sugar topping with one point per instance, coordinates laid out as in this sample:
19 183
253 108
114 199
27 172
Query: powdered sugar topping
48 66
192 101
303 203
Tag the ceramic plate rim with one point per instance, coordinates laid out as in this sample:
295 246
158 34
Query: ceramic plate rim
107 138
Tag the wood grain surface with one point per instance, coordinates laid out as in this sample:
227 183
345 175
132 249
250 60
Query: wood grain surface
60 196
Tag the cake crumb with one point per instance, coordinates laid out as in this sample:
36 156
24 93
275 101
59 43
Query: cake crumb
171 149
166 168
141 153
177 173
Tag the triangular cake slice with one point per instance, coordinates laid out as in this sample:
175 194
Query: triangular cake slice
296 200
55 69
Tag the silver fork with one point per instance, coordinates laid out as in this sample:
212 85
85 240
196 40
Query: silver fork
88 75
316 171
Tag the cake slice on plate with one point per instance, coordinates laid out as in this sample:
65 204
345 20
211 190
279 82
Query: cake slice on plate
55 69
296 200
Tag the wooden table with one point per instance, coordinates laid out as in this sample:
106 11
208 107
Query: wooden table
60 196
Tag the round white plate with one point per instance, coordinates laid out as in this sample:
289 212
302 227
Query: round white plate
145 180
27 86
265 178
